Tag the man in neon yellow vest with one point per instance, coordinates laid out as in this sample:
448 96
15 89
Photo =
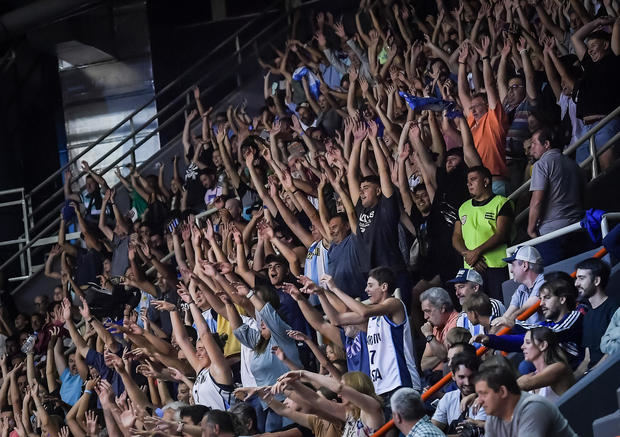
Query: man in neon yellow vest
483 230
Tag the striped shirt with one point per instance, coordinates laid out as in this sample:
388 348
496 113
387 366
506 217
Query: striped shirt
568 330
497 309
523 293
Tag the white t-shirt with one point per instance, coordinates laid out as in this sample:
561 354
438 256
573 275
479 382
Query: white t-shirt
449 409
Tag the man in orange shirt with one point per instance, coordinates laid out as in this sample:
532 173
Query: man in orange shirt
440 318
486 117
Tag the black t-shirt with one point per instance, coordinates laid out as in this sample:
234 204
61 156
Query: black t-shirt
377 233
595 324
89 264
434 233
598 91
195 190
452 187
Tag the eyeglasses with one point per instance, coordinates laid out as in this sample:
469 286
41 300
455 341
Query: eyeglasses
512 87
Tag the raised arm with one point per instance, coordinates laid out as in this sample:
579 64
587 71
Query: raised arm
353 179
98 178
528 68
387 188
463 84
487 72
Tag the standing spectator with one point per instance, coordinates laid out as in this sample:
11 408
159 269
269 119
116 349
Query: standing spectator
440 319
409 415
591 281
598 91
526 265
483 229
390 345
511 412
378 214
557 189
486 117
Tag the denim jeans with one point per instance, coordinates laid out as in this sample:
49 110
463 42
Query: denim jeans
600 138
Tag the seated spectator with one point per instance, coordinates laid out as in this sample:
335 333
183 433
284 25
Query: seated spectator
478 310
553 375
448 416
409 415
591 281
440 319
557 190
483 229
513 412
558 300
527 268
467 283
610 342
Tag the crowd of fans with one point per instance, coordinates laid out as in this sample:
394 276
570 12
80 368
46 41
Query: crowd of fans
358 246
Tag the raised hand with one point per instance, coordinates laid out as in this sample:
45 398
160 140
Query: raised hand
360 131
278 352
91 423
297 335
66 309
162 305
507 47
291 290
85 310
328 281
339 30
483 48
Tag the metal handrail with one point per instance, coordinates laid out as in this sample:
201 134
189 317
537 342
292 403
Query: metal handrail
585 162
570 149
165 109
174 116
166 88
161 126
564 231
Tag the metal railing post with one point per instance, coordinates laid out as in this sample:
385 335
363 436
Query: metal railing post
238 50
133 141
595 169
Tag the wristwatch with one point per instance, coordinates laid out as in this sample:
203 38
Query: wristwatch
429 338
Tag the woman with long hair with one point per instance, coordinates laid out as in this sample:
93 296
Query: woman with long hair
271 334
553 375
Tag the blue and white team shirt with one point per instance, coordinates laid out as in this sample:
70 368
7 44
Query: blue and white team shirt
316 265
497 309
391 354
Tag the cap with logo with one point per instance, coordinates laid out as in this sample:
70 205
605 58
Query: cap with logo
467 275
525 253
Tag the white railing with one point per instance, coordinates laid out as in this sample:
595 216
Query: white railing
564 231
589 136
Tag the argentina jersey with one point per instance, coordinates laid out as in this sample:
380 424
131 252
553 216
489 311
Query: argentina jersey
391 354
357 352
316 265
